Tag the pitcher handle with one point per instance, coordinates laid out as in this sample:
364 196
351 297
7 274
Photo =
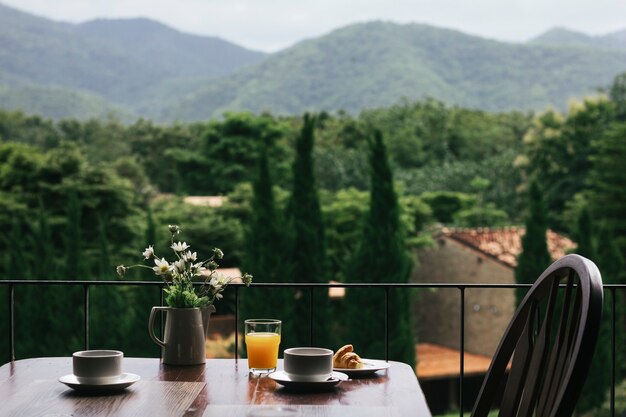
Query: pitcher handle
151 324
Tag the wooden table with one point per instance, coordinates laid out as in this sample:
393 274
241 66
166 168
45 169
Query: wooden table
222 388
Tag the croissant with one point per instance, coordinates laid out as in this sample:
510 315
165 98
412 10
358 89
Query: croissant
345 358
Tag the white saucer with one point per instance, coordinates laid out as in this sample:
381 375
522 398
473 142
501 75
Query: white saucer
369 367
283 379
124 381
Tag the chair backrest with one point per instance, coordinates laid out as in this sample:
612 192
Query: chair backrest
548 346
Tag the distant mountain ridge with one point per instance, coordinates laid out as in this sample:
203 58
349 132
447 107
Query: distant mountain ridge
139 67
121 61
564 36
378 63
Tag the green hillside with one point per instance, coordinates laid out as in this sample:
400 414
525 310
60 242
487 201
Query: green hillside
177 54
377 64
150 70
59 103
122 62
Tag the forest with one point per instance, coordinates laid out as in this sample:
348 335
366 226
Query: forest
79 197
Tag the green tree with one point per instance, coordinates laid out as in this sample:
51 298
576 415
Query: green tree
617 94
265 249
607 182
231 146
381 256
611 266
558 152
308 246
584 235
535 257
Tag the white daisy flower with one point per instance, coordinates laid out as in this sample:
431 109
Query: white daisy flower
190 257
179 265
180 247
148 252
162 266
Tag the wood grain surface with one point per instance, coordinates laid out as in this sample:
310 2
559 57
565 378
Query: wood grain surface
223 387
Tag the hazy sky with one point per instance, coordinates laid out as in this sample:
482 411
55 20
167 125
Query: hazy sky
270 25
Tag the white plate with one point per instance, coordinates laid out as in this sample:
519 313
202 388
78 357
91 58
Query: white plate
124 381
283 379
369 367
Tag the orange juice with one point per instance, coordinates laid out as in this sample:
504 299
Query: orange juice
262 350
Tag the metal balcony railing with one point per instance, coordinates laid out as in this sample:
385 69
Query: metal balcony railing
310 287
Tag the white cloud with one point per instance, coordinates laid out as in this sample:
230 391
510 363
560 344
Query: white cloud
274 24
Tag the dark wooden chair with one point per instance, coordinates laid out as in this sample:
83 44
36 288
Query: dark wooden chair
549 344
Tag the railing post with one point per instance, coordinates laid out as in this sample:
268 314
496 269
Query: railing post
11 323
236 324
86 315
310 316
613 358
462 343
387 324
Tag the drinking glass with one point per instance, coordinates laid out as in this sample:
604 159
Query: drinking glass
262 340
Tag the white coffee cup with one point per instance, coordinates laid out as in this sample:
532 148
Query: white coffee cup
97 366
308 364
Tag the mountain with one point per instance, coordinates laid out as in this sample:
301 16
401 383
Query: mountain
177 54
122 62
378 63
563 36
139 67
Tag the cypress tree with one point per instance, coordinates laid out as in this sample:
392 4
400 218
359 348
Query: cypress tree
584 235
74 264
111 321
535 257
69 300
607 182
43 267
17 266
381 256
308 248
264 257
144 298
611 265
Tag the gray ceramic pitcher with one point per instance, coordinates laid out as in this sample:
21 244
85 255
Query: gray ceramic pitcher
185 334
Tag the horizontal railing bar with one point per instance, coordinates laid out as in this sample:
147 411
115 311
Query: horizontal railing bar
452 285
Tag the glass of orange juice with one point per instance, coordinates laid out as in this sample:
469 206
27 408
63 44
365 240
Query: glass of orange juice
262 340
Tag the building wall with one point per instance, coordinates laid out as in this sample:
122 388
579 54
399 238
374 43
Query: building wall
437 312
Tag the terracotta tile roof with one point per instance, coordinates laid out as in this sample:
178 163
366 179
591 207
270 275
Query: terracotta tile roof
435 361
505 244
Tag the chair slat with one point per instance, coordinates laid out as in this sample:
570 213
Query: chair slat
554 367
539 358
519 368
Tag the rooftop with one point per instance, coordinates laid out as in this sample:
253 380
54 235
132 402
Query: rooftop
505 244
435 361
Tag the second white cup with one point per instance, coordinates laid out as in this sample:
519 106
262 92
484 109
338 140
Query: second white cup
97 366
308 364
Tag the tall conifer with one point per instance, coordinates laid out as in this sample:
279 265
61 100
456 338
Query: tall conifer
381 256
265 257
71 298
308 247
535 257
611 265
607 182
